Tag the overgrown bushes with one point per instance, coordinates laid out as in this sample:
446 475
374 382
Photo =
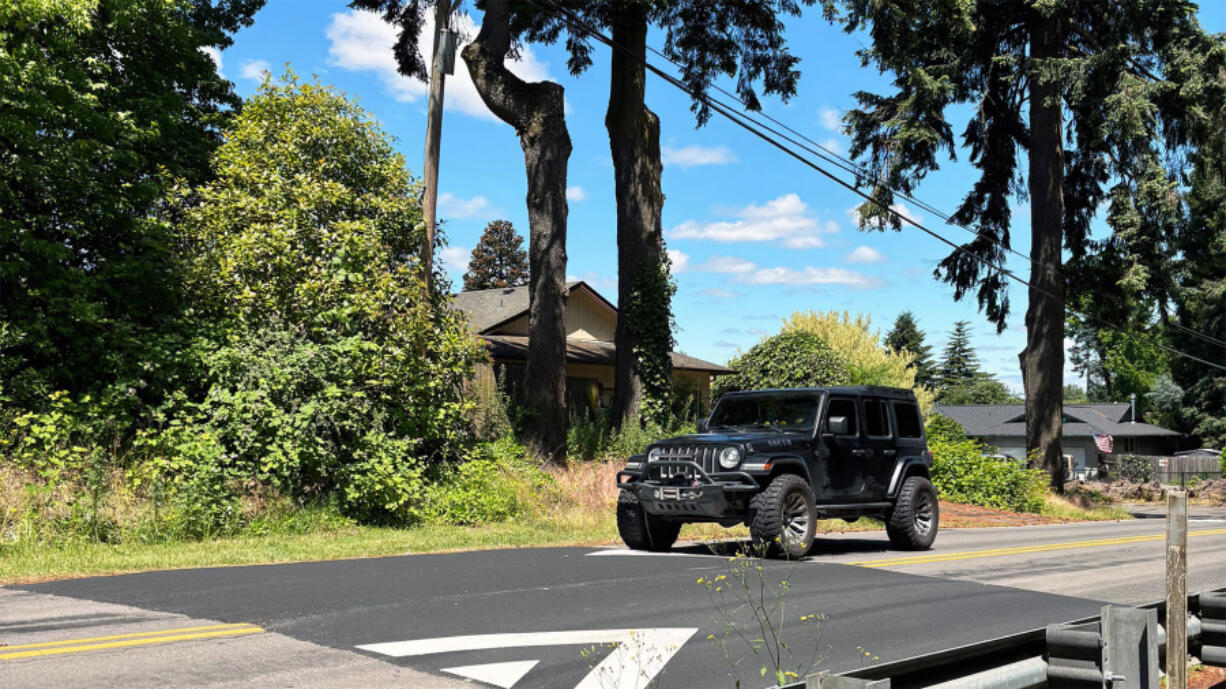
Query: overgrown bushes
1135 468
963 474
786 360
598 439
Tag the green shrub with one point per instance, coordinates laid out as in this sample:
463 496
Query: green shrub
962 474
494 484
793 359
940 427
597 439
1135 468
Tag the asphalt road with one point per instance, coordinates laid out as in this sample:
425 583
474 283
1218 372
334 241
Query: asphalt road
525 617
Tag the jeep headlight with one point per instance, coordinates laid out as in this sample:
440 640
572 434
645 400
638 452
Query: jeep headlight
729 457
655 454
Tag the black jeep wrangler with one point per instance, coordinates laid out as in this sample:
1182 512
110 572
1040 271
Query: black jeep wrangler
778 460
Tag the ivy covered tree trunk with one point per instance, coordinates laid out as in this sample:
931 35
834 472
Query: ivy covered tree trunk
643 376
536 111
1043 358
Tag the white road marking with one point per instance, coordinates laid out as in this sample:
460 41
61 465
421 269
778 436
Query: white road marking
637 657
503 675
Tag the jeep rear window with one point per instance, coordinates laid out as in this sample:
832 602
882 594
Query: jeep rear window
789 412
876 419
908 420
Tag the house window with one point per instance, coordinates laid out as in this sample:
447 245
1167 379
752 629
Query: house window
876 419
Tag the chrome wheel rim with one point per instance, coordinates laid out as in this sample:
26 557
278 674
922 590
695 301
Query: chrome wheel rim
796 519
925 514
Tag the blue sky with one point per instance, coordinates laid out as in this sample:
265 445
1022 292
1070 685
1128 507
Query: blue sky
755 235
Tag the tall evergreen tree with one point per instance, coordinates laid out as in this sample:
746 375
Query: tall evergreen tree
959 363
498 260
906 336
1123 76
739 40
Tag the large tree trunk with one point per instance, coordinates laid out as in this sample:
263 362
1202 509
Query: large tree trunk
643 327
536 110
1043 358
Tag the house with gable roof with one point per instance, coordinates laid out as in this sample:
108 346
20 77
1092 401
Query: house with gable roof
500 317
1004 426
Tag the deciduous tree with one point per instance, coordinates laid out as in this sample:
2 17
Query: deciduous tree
105 103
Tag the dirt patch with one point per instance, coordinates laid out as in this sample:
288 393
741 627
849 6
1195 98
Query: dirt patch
1205 677
957 516
1121 491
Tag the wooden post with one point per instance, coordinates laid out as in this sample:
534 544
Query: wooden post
434 137
1176 590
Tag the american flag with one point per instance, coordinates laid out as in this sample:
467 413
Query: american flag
1103 441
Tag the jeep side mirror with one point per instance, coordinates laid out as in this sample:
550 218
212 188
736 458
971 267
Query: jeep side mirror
836 425
700 426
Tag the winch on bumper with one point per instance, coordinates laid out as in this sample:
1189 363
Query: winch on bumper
686 489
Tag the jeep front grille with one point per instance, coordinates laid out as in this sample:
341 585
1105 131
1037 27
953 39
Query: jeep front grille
705 456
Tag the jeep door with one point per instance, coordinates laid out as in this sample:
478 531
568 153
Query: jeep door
880 454
844 474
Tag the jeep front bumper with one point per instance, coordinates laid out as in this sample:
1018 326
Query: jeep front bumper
687 490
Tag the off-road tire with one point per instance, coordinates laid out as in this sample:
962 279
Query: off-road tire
913 523
641 531
775 511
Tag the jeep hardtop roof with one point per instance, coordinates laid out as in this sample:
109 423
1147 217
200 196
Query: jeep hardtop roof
875 390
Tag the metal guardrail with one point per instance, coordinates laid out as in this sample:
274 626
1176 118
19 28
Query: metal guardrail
1121 649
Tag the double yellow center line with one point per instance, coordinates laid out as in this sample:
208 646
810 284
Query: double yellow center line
99 643
1022 550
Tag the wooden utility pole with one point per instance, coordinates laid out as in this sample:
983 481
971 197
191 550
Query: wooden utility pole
434 136
1177 590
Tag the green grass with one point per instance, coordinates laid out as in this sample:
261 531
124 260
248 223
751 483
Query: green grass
34 561
1059 507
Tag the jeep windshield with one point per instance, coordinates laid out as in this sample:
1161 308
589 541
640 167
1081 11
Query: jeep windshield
771 411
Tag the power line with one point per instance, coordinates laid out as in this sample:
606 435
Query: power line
860 170
740 120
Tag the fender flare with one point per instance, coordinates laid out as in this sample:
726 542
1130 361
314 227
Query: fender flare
908 467
790 461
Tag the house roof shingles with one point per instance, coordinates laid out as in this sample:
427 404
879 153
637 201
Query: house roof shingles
515 347
489 308
1084 420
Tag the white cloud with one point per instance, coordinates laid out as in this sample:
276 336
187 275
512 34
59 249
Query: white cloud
690 156
833 145
728 264
865 254
785 219
455 258
680 259
254 69
214 55
830 118
452 206
716 293
810 275
362 41
604 284
899 208
747 272
575 193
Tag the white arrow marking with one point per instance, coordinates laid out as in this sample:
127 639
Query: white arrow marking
503 675
639 654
